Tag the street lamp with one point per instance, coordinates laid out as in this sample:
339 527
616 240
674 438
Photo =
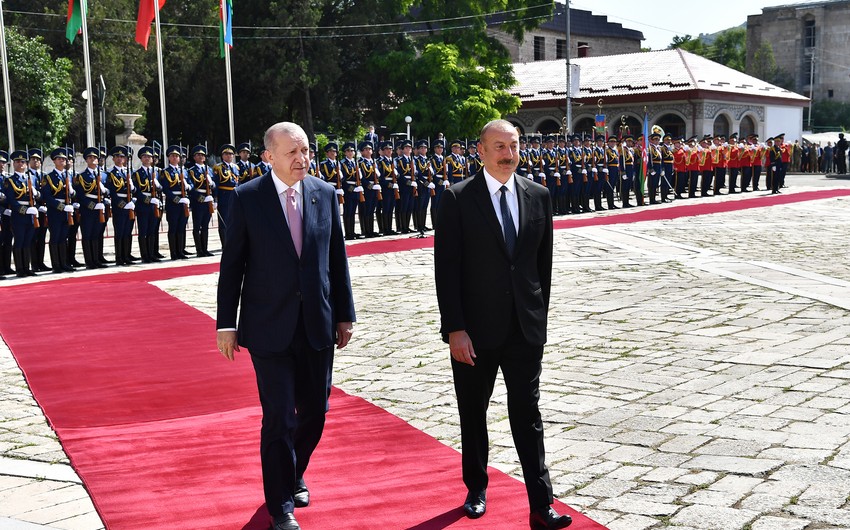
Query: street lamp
408 120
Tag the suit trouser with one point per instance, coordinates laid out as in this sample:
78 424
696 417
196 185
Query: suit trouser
297 378
521 366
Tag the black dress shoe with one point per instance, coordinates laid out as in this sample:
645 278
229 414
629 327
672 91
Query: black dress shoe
475 504
285 522
302 494
548 519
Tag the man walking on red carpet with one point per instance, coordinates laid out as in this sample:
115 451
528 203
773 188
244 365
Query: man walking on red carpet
493 267
285 267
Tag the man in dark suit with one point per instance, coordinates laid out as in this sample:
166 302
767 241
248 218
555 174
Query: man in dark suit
371 136
493 266
285 265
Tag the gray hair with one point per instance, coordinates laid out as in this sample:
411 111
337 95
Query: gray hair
504 125
283 128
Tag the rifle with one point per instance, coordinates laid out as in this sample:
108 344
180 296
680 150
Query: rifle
413 179
183 191
557 165
542 174
209 190
154 191
132 215
32 202
357 183
338 172
396 194
376 182
101 214
430 172
68 197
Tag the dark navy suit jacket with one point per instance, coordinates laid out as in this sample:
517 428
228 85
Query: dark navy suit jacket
262 274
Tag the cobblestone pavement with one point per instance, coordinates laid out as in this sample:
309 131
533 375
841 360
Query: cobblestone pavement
696 375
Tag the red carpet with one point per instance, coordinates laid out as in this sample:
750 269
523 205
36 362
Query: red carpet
165 433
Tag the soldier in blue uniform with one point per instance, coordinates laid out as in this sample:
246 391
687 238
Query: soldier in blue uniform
456 163
264 166
574 172
612 174
390 187
74 229
473 161
329 168
36 175
58 193
147 205
422 169
353 191
667 153
176 192
247 169
371 184
441 180
5 221
123 214
90 194
156 170
202 197
407 187
20 200
655 168
313 170
522 167
564 184
225 179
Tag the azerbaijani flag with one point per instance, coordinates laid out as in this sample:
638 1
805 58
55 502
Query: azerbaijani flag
147 15
225 33
75 19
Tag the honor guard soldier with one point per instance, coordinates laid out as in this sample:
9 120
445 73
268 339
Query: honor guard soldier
473 161
21 200
588 172
425 184
57 191
706 165
74 229
680 167
611 174
632 155
667 175
564 181
534 159
578 174
734 163
456 163
176 192
156 171
246 167
441 177
692 165
626 167
203 200
786 161
389 179
522 167
758 158
225 179
37 177
107 201
5 220
656 168
313 170
147 205
91 195
720 160
372 191
408 190
123 207
264 166
329 168
353 191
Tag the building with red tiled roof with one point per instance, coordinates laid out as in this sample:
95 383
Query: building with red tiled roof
684 93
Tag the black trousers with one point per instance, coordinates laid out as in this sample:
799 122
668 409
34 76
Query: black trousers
521 366
294 386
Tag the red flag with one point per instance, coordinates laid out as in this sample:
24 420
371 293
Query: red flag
146 17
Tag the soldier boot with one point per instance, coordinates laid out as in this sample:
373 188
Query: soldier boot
56 266
64 262
7 260
153 247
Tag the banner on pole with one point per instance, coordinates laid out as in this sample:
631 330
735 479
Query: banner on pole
145 19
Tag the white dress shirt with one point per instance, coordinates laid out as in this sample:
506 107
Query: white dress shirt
493 186
281 187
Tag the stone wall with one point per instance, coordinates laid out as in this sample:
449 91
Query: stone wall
524 52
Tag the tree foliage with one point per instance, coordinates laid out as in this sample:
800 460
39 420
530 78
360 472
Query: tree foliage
40 92
764 67
830 115
331 65
729 47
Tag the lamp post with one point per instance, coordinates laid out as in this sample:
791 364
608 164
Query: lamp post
408 120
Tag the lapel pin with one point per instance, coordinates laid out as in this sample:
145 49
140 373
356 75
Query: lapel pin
313 200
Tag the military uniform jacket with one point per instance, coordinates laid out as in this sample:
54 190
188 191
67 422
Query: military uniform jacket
456 166
144 184
328 171
225 177
438 164
118 184
348 170
246 171
55 190
404 166
86 185
200 177
174 180
422 167
37 178
475 165
368 173
386 171
17 193
261 169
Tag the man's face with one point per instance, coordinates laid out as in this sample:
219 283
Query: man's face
349 153
387 151
35 163
19 165
147 160
227 157
244 155
500 151
366 153
290 157
264 155
455 150
91 161
331 153
174 159
422 150
60 163
200 158
407 150
438 149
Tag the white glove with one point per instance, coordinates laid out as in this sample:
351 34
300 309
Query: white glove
73 192
215 206
411 183
625 177
773 168
68 209
99 206
342 192
42 209
183 200
376 187
102 188
155 201
395 186
594 170
584 172
605 170
652 172
208 198
129 206
569 172
662 173
541 175
32 210
358 189
556 174
107 201
445 183
7 212
431 186
529 177
76 206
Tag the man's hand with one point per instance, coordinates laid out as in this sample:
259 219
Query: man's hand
344 331
227 344
461 347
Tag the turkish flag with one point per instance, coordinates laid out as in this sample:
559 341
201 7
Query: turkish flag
146 17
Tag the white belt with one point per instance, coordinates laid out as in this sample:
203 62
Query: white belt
90 196
146 194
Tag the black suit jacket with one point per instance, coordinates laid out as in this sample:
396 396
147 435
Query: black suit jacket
261 271
479 284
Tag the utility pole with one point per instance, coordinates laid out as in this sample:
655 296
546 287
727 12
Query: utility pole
569 116
811 83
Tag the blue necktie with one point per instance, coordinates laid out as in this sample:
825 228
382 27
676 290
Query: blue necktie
508 227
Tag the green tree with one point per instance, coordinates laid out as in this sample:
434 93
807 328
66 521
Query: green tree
40 92
729 47
764 67
831 115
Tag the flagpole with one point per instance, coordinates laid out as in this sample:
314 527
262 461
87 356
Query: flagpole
161 75
229 92
87 64
6 90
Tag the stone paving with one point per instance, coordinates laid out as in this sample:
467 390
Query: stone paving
696 375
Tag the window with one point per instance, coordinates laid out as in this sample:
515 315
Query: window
830 93
809 33
583 48
539 48
560 49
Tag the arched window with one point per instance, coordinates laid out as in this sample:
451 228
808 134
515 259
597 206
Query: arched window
584 126
672 124
748 127
721 125
549 126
